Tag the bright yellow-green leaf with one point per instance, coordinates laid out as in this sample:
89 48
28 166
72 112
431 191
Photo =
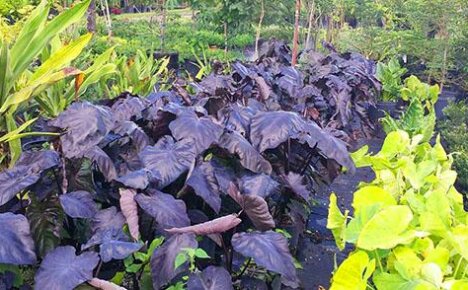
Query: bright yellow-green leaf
350 274
63 56
336 222
440 256
371 195
384 230
407 262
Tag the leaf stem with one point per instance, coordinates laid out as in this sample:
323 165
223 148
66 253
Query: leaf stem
245 268
378 261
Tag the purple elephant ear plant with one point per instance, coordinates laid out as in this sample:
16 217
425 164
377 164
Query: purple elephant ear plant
221 169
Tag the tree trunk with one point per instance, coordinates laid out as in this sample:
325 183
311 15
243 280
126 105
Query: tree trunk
311 21
91 16
259 27
296 33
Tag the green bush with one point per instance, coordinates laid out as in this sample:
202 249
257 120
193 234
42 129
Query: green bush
454 130
11 6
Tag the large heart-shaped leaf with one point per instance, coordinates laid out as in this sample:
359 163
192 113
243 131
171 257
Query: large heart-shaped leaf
127 108
25 173
16 243
113 244
270 250
212 278
85 125
385 229
163 260
202 130
249 157
78 204
168 211
61 269
204 183
167 160
269 129
139 179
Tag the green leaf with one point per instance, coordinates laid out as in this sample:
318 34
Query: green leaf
141 256
369 195
336 222
180 259
155 244
134 268
201 254
356 224
350 274
118 278
384 229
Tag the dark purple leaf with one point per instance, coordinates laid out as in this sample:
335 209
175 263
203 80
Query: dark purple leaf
16 243
167 160
168 211
113 244
255 207
129 108
249 157
103 161
108 219
61 269
202 130
78 204
205 185
269 250
295 182
139 138
260 184
139 179
86 125
25 173
269 129
163 259
212 278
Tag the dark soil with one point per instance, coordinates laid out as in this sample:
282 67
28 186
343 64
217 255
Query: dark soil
317 251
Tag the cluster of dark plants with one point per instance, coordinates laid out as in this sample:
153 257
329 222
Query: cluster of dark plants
230 169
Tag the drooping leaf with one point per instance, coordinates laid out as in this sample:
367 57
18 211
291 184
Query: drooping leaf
16 243
204 183
130 211
46 220
216 226
255 207
85 124
104 285
163 260
212 278
270 250
61 269
78 204
167 211
249 157
269 129
167 160
202 130
103 161
25 173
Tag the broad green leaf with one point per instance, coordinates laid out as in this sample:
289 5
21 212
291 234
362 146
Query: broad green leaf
336 222
459 240
438 203
386 281
383 230
369 195
350 274
360 156
432 223
180 259
440 256
396 142
201 254
356 224
407 262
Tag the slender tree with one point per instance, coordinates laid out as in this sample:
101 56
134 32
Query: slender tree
296 33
